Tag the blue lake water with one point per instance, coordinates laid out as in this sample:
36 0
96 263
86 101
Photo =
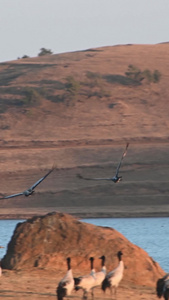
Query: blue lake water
6 231
151 234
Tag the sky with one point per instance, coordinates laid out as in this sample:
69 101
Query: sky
26 26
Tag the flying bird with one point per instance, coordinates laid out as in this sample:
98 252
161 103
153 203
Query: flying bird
115 178
30 190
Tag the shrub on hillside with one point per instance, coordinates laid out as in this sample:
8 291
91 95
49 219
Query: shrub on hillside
136 74
96 84
72 86
156 76
120 79
44 51
94 79
25 56
32 97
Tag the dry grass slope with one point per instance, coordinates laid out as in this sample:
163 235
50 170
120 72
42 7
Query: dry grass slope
78 110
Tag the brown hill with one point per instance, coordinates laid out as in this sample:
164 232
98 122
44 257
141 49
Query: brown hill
107 105
78 110
46 241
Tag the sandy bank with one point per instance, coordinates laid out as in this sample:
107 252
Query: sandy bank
41 284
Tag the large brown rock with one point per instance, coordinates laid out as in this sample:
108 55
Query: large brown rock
47 240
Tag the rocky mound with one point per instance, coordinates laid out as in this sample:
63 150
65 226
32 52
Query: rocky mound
47 240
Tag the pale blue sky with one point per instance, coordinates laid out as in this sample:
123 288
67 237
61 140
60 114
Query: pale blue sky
71 25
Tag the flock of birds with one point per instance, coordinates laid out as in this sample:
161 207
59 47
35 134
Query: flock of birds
111 280
88 283
102 279
31 189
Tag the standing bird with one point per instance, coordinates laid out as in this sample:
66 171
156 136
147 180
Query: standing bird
114 277
66 285
87 282
115 178
162 287
100 276
29 191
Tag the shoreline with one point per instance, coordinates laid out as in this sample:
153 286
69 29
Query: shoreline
89 215
84 212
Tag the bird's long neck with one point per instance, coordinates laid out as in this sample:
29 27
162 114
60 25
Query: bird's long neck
68 264
103 261
120 257
91 263
121 264
103 265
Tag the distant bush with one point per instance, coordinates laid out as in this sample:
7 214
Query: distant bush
94 79
156 76
25 56
96 84
121 79
32 97
72 86
136 74
99 93
147 75
57 98
44 51
92 75
112 105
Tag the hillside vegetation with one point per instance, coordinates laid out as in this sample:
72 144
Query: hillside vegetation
78 110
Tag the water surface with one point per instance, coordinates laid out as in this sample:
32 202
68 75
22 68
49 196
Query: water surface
6 231
151 234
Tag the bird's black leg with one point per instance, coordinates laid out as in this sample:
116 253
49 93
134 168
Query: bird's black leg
115 292
84 295
111 291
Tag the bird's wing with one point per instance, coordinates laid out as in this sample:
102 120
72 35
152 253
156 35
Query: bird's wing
41 179
65 281
86 178
11 196
100 179
123 155
111 274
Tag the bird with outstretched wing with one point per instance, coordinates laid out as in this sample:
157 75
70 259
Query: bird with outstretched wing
115 178
30 190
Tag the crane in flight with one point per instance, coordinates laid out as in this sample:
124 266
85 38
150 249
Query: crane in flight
30 190
115 178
